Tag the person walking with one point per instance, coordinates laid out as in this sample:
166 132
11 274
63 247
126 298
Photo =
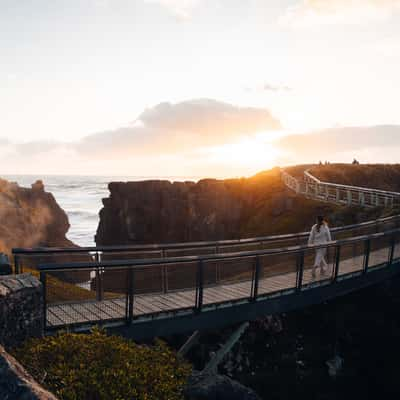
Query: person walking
320 234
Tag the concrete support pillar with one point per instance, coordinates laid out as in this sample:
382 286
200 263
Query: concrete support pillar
362 198
337 195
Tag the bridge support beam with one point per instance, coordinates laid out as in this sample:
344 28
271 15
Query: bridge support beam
193 339
226 348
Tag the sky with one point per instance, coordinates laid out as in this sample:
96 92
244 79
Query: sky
217 88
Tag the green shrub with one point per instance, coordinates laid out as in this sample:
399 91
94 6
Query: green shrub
101 367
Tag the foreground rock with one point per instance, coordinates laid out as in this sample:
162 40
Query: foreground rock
16 383
217 387
30 217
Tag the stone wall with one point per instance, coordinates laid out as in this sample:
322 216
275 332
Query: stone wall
21 308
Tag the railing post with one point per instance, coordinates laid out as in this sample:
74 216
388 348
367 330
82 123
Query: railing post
43 280
349 198
16 264
217 277
256 279
337 263
164 274
300 270
367 250
131 282
99 279
392 246
199 286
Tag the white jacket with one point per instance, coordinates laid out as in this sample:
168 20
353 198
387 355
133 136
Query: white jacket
323 236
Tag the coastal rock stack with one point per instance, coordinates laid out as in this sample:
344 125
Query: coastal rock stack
30 217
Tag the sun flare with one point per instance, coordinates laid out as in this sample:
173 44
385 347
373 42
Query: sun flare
248 154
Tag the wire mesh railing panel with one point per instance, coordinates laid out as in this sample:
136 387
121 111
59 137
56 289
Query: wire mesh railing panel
129 255
277 272
110 282
234 283
237 247
30 263
59 290
180 276
149 279
380 249
190 251
174 290
319 264
234 270
351 257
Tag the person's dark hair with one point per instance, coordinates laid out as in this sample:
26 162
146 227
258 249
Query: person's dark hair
320 222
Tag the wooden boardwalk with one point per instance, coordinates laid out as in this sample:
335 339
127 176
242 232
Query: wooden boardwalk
220 295
283 276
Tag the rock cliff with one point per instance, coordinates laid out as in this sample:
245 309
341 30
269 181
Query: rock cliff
161 211
30 217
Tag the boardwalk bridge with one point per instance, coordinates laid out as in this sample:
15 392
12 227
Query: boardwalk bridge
157 290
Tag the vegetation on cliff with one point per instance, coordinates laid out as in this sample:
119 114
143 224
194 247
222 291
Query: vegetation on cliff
102 367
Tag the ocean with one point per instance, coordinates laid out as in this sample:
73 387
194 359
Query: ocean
80 197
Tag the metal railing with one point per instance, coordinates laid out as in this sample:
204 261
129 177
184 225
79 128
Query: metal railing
314 188
244 276
31 257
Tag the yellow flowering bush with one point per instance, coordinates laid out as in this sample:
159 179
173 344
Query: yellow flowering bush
97 366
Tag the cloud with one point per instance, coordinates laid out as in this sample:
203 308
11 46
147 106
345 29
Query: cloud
172 128
182 9
267 87
165 131
317 12
378 143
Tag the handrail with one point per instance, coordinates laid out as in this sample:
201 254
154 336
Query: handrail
212 257
350 187
187 245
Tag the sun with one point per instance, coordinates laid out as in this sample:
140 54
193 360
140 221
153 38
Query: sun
249 154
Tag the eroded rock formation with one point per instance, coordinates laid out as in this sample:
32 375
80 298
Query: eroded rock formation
30 217
161 211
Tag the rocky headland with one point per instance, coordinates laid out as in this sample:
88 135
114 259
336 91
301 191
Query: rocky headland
162 211
30 217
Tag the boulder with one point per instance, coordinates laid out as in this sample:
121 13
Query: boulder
217 387
16 383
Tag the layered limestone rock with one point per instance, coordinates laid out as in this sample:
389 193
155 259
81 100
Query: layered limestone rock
30 217
161 211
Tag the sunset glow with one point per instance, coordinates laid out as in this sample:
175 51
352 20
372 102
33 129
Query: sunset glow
107 87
